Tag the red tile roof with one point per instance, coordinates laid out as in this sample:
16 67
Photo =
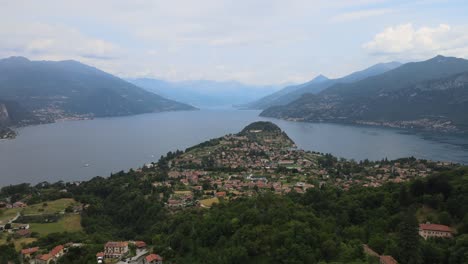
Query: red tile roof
140 244
387 260
221 194
100 254
23 232
435 227
29 250
116 244
56 250
44 257
153 257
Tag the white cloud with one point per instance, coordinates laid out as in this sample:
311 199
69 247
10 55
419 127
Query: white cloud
262 41
407 42
44 41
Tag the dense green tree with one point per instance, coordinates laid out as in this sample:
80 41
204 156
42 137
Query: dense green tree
460 250
409 240
8 254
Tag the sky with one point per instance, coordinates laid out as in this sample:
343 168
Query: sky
251 41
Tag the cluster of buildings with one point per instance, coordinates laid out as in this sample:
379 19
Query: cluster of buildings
238 165
120 251
34 255
241 165
18 230
17 204
376 175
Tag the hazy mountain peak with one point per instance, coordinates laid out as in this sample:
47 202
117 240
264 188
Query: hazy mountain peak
440 59
317 85
383 65
15 59
320 78
433 90
392 64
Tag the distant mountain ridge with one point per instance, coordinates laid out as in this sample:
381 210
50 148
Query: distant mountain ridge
44 91
430 95
318 84
205 93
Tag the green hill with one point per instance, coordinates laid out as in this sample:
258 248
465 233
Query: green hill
315 86
429 95
62 89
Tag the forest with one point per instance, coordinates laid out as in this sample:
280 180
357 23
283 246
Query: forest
326 225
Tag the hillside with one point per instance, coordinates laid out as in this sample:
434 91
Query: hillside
315 86
430 95
44 91
206 93
250 198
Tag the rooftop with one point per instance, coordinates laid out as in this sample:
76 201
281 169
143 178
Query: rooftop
435 227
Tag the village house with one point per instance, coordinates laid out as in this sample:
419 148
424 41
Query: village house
57 252
29 252
140 244
115 249
23 233
44 259
19 205
53 255
221 194
387 260
153 259
434 230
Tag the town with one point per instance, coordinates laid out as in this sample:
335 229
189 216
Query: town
259 159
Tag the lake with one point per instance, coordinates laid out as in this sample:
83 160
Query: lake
80 150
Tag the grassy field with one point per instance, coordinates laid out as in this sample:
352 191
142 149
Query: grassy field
52 207
7 214
207 203
69 223
19 243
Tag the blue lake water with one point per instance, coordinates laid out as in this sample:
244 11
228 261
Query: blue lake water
60 151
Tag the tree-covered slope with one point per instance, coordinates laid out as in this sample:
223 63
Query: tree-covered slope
323 224
430 95
318 84
68 88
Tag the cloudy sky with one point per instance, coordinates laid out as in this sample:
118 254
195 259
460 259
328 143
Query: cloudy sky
252 41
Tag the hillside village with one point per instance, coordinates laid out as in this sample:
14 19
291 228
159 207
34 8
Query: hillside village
261 158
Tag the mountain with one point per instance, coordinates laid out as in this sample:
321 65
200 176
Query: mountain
430 95
11 113
44 91
283 96
205 93
318 84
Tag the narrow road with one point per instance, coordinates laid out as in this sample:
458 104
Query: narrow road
14 218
